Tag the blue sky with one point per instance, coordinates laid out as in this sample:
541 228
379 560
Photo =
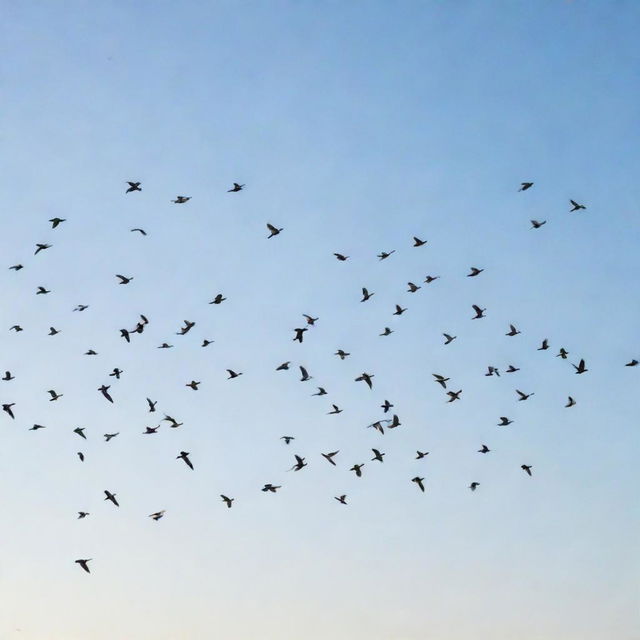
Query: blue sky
355 127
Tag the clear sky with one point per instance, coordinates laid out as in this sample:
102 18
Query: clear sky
355 126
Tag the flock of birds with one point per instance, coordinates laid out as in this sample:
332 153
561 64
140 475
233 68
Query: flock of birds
380 425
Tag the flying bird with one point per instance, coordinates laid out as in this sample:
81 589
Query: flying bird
358 469
524 396
133 186
484 449
54 395
184 455
111 497
7 376
37 426
580 367
299 334
16 267
377 455
366 377
341 499
544 346
454 395
504 421
321 392
284 366
81 456
512 369
56 222
399 310
525 185
479 312
7 409
157 515
536 224
417 242
233 374
42 291
270 487
152 405
110 436
192 385
474 485
512 331
82 514
227 501
384 254
41 247
526 468
386 406
366 295
576 206
474 272
305 374
124 279
329 456
310 319
236 187
218 299
419 481
341 257
287 439
104 390
53 331
274 231
570 402
83 563
139 230
116 373
412 287
441 380
632 363
387 332
181 199
341 354
80 432
430 279
448 339
336 410
300 463
421 454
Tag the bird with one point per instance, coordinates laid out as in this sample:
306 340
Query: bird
341 257
377 455
41 247
173 423
7 409
526 468
395 422
492 371
164 345
576 206
544 346
321 392
299 334
16 267
512 369
17 328
42 291
329 456
580 367
421 454
284 366
104 390
448 339
56 221
111 497
563 353
125 334
110 436
419 481
287 439
218 299
479 312
7 376
358 469
386 406
36 427
441 380
53 331
387 332
366 295
341 354
341 499
525 185
504 421
377 425
270 487
80 432
124 279
305 374
54 395
233 374
383 255
632 363
227 501
139 230
536 224
454 395
152 405
83 563
133 186
366 377
474 485
412 287
336 410
181 199
236 187
570 402
512 331
81 456
150 430
417 242
188 325
81 307
474 272
116 373
524 396
192 385
430 279
184 455
310 319
157 515
300 463
274 231
399 310
82 514
484 449
206 343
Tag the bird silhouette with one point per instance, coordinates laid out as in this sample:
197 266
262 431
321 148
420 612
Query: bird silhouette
474 272
55 222
526 468
357 468
474 485
142 232
219 299
366 295
236 187
536 224
484 449
417 242
111 497
419 481
104 390
287 439
512 331
41 247
227 501
580 367
525 185
341 499
274 231
305 374
329 457
576 206
133 186
570 402
181 199
83 563
7 409
479 312
383 255
448 339
504 421
366 377
341 257
157 515
377 455
184 455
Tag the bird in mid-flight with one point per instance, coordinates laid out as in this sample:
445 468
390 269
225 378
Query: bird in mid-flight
56 222
157 515
525 185
236 187
184 455
83 563
576 206
419 481
274 231
133 186
227 501
526 468
181 199
580 367
536 224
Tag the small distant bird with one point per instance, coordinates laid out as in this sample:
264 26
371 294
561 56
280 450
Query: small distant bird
448 339
454 395
430 279
124 279
412 287
7 376
81 307
441 380
341 257
536 224
526 468
576 206
385 254
633 363
139 230
236 187
206 343
341 499
366 377
417 242
563 353
504 421
157 515
358 469
41 247
386 406
7 409
321 392
479 312
524 396
81 456
173 423
233 374
184 455
300 463
152 405
484 449
227 501
341 354
336 410
188 325
580 367
421 454
366 295
110 436
512 369
82 514
104 390
284 366
181 199
512 331
544 346
377 455
525 185
399 310
37 426
492 371
474 485
271 487
150 430
164 345
310 319
111 497
116 373
56 221
287 439
305 374
474 272
42 291
17 267
17 328
570 402
419 481
83 563
192 385
80 432
133 186
54 395
125 334
53 331
218 299
387 332
329 456
377 425
299 334
274 231
395 422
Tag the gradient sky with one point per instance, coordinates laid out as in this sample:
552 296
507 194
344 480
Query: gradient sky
355 126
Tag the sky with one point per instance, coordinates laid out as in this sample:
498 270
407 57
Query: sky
355 126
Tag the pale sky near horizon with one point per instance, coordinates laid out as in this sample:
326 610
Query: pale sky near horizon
355 127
